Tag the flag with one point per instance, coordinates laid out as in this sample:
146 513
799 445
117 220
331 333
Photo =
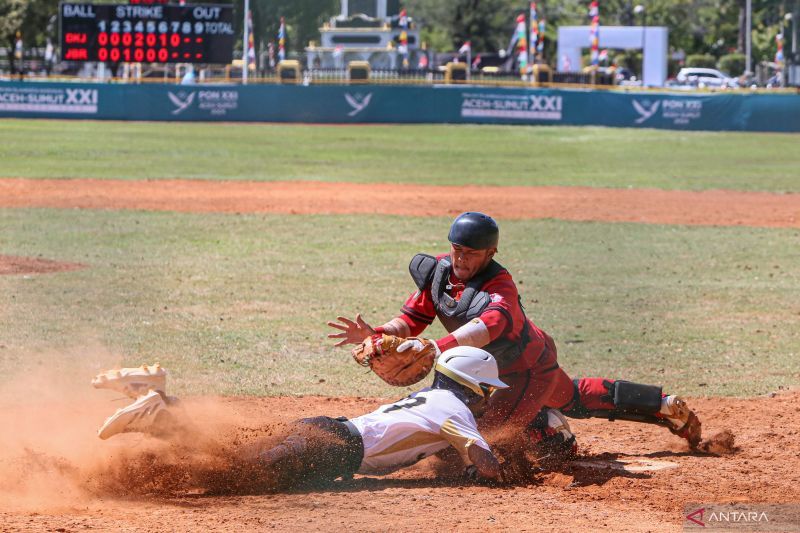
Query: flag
282 40
779 57
540 44
423 60
402 49
594 31
522 43
403 46
338 56
603 55
476 61
402 21
251 42
594 9
534 23
465 48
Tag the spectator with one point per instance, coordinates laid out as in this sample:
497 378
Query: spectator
48 58
188 78
18 52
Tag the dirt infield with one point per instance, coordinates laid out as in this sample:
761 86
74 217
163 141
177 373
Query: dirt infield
56 475
59 477
723 208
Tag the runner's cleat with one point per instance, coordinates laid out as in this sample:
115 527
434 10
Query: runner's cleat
684 423
138 416
133 382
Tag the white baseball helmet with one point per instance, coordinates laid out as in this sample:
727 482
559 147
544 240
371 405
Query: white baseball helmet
471 367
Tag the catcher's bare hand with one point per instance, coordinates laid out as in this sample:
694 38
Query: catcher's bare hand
351 332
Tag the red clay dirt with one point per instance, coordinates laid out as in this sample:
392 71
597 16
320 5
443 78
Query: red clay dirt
651 206
10 264
56 475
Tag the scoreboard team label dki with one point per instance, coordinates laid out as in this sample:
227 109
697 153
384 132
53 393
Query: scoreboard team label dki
199 33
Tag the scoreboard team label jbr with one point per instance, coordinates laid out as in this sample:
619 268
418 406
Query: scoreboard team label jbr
147 33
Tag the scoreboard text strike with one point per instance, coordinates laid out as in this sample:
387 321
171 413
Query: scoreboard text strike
147 33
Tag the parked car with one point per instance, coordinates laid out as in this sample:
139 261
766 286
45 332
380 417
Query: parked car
705 77
626 77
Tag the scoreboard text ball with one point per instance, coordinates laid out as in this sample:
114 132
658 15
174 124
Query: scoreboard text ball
147 33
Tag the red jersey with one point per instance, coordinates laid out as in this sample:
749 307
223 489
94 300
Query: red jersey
503 317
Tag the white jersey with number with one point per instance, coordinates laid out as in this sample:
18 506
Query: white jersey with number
402 433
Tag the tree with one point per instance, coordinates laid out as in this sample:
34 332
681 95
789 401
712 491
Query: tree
303 20
432 17
30 18
695 26
487 24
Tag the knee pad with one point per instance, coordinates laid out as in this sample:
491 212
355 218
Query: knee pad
575 408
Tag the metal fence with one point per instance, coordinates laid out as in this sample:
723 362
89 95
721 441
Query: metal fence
34 67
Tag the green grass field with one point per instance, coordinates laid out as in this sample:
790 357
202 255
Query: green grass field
237 304
442 155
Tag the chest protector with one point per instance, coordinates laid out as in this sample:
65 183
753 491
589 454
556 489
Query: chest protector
427 271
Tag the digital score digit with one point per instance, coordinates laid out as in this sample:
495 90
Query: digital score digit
147 33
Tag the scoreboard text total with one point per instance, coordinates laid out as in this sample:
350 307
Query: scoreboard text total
147 33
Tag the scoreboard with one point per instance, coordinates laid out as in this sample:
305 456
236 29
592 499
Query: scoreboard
199 33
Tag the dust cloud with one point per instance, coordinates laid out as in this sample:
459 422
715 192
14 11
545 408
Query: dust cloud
53 459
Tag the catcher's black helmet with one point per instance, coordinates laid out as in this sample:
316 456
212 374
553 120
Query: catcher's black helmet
474 230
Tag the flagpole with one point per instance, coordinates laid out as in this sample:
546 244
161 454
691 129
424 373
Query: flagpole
748 36
245 44
530 36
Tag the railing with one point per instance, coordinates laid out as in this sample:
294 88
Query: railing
171 74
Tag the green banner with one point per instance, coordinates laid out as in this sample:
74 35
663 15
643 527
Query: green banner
391 104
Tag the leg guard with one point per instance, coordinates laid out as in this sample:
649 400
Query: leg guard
635 398
615 400
636 402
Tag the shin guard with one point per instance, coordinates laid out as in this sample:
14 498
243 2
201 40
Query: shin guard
616 400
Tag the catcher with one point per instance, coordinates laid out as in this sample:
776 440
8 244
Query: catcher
477 302
322 449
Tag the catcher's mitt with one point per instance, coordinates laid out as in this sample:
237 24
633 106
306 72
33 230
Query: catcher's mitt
400 368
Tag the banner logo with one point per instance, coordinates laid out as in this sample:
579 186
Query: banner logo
358 102
81 97
512 106
182 101
213 102
49 100
693 517
742 516
218 103
679 111
645 109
